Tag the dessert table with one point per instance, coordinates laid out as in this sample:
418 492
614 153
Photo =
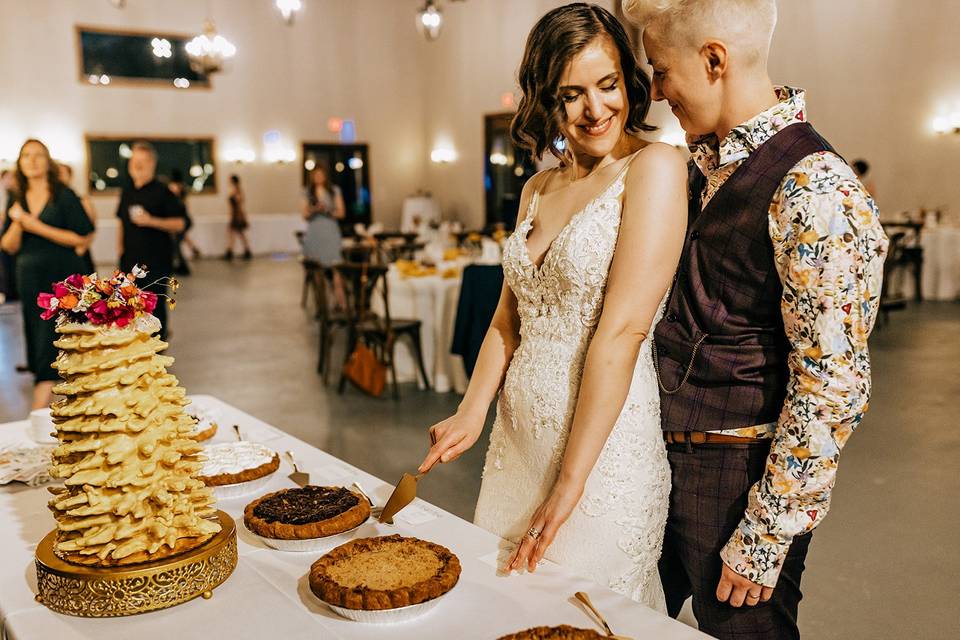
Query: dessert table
268 594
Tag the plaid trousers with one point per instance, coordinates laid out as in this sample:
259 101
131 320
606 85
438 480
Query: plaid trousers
707 501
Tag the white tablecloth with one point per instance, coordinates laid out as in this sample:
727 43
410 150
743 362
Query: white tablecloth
433 301
268 595
941 263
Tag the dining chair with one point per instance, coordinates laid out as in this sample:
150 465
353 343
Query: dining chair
361 283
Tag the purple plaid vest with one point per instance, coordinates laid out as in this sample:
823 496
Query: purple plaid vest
721 351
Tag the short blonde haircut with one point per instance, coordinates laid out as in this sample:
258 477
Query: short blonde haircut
743 25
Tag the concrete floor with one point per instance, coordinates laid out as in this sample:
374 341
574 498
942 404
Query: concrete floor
884 564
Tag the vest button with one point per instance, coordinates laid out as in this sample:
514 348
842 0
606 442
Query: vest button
694 234
671 317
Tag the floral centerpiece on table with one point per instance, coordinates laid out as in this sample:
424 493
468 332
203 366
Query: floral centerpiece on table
101 301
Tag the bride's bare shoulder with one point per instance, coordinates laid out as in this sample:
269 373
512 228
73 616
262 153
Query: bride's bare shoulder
657 161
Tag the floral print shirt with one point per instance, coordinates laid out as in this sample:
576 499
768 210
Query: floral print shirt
829 249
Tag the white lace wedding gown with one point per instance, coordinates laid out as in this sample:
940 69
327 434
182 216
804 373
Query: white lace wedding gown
614 535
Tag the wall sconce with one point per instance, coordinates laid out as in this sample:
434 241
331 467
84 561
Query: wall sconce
443 155
280 155
947 124
240 156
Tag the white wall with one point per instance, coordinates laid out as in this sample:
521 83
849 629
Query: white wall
355 60
877 72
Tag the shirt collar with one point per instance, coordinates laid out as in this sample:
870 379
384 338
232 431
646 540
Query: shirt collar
745 138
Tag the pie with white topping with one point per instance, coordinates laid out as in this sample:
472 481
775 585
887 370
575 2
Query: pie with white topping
389 572
235 462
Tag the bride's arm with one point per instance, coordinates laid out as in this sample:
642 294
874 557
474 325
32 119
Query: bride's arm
652 230
648 249
453 436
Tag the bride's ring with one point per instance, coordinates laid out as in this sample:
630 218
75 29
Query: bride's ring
534 533
753 597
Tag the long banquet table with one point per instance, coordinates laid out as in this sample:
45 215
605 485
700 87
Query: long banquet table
268 594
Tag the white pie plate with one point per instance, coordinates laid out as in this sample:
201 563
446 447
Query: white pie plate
388 616
241 489
326 543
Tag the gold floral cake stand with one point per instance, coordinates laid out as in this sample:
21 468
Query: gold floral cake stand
121 591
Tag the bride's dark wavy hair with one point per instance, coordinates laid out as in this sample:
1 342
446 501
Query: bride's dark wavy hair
554 41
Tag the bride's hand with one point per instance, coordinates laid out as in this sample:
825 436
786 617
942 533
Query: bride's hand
544 525
451 437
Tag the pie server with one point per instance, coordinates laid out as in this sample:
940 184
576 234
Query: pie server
299 478
403 495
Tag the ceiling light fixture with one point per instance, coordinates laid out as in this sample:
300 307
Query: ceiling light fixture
288 9
209 50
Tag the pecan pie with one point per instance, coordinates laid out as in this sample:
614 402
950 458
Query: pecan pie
563 632
306 512
384 573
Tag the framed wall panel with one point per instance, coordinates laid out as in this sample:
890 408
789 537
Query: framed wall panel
109 56
192 157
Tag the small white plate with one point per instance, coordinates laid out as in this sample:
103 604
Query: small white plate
387 616
326 543
241 489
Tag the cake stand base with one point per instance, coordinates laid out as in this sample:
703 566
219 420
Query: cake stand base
125 590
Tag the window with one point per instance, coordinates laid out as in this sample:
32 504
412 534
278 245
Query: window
110 57
189 158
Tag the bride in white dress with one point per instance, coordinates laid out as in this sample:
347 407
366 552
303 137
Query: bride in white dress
577 471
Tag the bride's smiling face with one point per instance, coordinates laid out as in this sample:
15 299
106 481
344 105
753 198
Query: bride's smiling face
594 98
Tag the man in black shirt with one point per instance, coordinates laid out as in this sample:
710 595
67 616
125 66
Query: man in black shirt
149 215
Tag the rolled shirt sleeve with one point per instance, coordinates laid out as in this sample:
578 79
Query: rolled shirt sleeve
829 247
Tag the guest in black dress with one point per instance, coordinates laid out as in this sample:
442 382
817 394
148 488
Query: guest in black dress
44 226
66 177
8 284
238 220
150 215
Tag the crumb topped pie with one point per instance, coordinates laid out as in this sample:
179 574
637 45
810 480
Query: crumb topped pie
306 512
563 632
384 573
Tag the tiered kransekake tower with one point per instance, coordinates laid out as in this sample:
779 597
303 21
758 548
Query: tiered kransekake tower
130 500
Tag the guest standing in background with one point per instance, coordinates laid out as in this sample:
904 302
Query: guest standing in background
323 208
180 265
66 177
238 219
44 225
150 214
8 286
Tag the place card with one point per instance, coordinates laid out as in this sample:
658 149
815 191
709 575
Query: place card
417 513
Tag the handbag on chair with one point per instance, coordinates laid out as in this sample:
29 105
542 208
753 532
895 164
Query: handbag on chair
364 369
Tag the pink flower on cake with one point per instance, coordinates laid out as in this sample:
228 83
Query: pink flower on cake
75 281
49 303
149 300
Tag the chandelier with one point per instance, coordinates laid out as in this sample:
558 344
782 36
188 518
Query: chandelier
288 9
430 21
209 50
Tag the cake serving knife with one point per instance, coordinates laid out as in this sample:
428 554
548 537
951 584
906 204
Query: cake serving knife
299 478
403 495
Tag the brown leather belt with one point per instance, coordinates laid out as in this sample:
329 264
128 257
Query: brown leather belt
705 437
